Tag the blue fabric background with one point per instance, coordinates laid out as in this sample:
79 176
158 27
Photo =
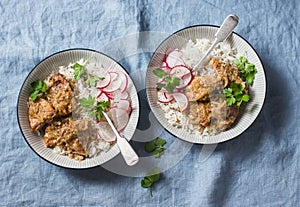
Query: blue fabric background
259 168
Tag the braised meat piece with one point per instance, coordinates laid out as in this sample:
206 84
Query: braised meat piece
40 112
60 94
63 133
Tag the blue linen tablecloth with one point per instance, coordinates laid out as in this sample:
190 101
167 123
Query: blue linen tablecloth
258 168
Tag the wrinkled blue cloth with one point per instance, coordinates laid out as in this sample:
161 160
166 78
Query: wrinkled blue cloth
258 168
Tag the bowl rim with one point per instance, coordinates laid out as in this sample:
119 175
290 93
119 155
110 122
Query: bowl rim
263 67
31 71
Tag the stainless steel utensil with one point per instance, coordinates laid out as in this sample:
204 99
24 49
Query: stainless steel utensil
128 153
223 32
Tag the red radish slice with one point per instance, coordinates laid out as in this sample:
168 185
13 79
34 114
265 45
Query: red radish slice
179 71
113 75
123 78
114 83
184 74
174 58
103 83
118 95
165 98
185 81
123 104
106 133
103 96
120 118
181 100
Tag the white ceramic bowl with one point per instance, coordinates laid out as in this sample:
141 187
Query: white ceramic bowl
248 113
44 69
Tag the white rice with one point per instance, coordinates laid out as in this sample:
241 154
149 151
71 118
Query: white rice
92 143
191 55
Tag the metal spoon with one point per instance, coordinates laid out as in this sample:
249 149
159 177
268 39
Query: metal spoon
129 155
223 32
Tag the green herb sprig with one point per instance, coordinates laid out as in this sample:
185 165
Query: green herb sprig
170 83
151 178
247 70
98 108
157 147
79 69
235 94
39 87
92 80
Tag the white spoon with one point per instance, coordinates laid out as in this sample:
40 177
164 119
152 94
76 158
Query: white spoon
223 32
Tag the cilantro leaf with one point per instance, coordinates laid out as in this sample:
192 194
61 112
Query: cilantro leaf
235 94
159 86
160 142
87 102
158 152
39 87
92 80
247 70
102 106
171 83
149 147
159 73
156 146
151 177
78 71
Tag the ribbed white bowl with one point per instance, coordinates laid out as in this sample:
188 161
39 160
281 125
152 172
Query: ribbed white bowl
248 113
44 69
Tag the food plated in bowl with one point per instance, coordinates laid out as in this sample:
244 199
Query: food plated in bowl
60 108
215 103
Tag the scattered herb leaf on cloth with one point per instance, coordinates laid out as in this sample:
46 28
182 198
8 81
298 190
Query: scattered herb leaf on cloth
152 177
157 147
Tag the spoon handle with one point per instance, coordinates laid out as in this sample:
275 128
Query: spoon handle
223 32
226 28
128 153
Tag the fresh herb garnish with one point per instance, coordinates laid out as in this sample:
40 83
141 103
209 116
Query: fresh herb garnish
150 179
170 82
89 104
247 70
39 87
157 147
235 94
79 69
92 80
102 106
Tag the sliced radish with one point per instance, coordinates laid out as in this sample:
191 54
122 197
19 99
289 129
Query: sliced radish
123 78
123 104
165 98
103 83
113 75
174 58
114 83
120 118
118 95
184 74
181 100
185 81
105 132
179 71
103 96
